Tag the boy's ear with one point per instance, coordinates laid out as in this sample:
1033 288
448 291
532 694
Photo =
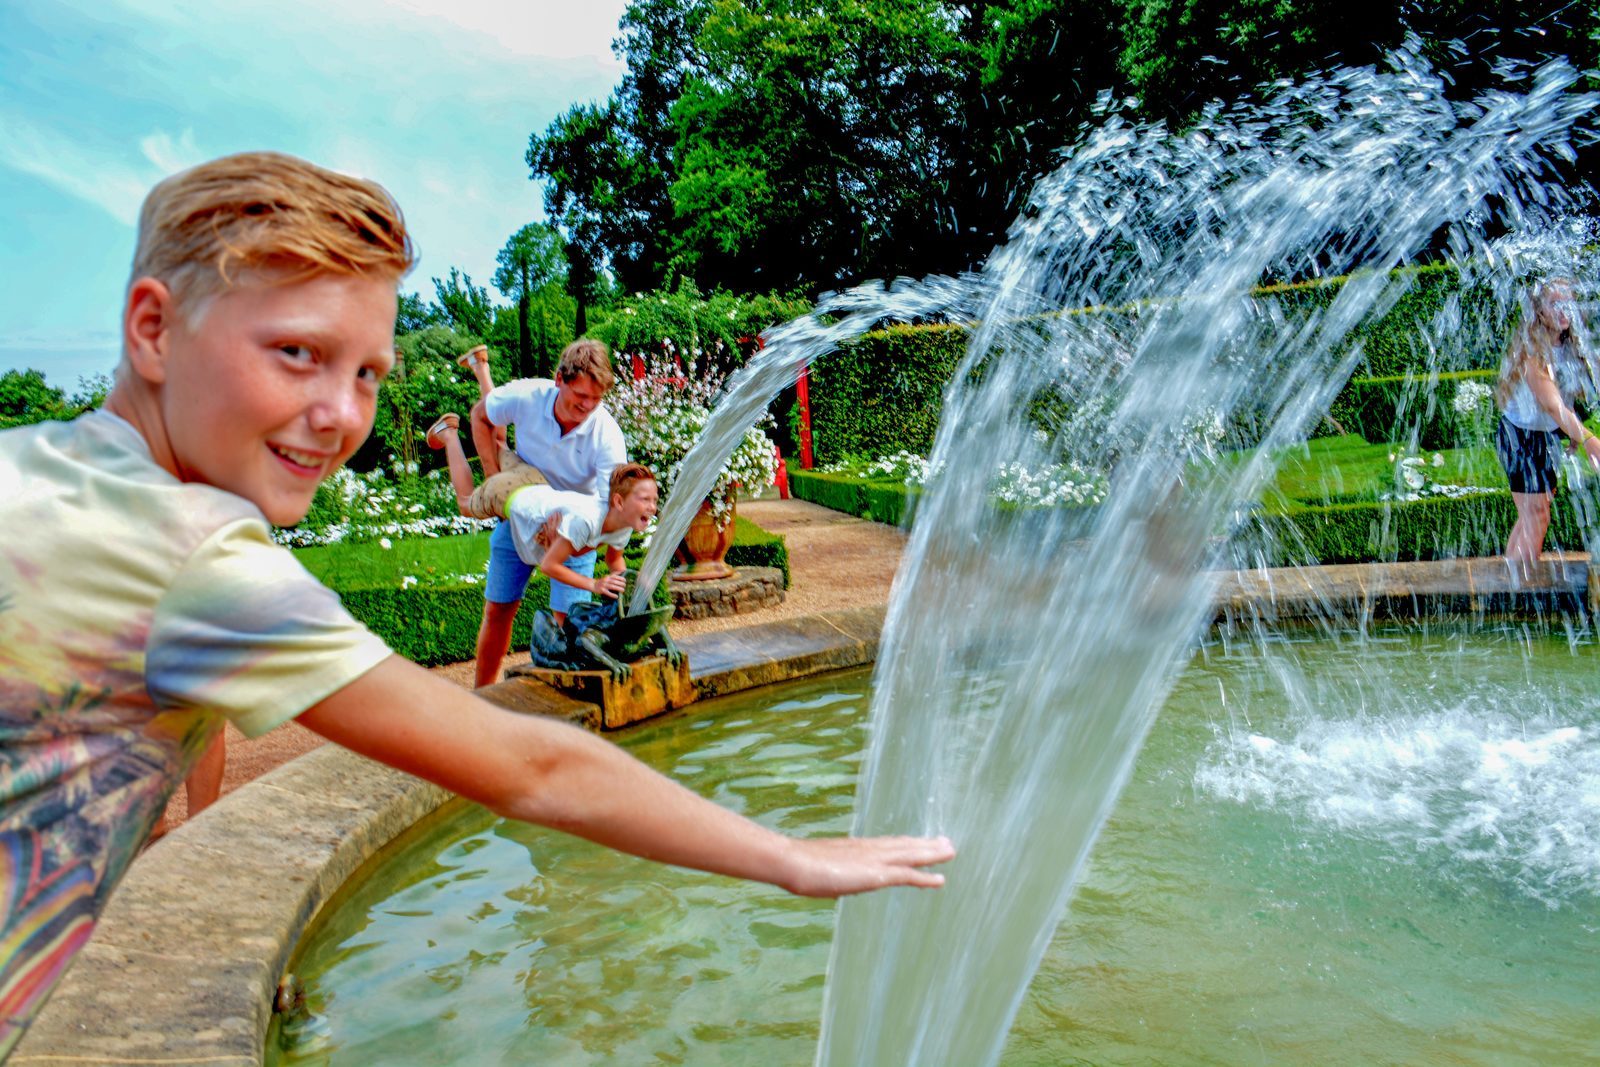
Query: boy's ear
147 324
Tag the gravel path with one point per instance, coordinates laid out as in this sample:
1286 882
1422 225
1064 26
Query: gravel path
835 561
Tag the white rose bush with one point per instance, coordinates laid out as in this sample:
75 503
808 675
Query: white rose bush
664 413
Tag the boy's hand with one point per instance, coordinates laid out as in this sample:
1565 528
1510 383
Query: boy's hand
839 866
549 531
611 585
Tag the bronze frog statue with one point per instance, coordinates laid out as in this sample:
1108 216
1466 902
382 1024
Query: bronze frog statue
599 634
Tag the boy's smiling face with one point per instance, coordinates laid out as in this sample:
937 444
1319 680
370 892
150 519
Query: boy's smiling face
275 385
639 506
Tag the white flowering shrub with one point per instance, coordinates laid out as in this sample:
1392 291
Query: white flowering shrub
902 466
1057 485
664 413
380 506
1471 397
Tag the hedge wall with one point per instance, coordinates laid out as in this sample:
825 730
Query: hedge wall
882 393
1391 408
878 501
1439 528
438 625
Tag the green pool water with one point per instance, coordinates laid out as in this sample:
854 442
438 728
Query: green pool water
1367 849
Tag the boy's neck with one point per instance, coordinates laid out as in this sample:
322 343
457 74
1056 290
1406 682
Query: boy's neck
141 409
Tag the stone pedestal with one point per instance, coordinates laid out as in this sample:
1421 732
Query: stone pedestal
749 589
652 688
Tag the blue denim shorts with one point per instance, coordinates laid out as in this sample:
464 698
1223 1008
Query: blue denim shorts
508 576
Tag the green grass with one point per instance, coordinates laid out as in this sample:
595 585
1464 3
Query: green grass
1337 470
445 560
371 566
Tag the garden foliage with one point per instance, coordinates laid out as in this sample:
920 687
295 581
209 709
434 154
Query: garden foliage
425 597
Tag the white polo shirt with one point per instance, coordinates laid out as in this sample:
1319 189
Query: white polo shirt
580 461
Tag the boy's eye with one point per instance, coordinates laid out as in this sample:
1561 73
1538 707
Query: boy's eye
297 353
375 375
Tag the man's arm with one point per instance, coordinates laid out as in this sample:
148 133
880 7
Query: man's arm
543 771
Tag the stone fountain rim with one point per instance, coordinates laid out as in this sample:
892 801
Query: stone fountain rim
208 965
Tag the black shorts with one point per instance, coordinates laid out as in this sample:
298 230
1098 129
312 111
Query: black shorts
1529 457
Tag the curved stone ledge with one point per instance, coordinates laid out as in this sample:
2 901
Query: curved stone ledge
184 964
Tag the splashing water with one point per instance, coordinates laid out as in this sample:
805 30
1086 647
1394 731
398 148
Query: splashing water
1026 649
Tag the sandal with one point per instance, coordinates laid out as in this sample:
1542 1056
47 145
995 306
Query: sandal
446 423
478 354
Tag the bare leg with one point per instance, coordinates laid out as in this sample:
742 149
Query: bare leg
494 640
477 361
488 439
1526 540
442 434
204 783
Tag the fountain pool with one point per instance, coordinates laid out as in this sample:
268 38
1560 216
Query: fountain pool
1378 847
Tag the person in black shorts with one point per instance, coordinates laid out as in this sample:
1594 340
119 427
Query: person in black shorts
1545 370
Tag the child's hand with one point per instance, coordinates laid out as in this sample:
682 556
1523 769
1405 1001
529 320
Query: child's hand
611 585
549 531
837 866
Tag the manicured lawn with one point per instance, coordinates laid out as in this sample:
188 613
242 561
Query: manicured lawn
1332 470
431 560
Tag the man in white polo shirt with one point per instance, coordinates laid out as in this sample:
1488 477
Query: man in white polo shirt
562 429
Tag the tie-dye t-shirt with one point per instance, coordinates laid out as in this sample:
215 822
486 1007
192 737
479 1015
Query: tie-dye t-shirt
136 613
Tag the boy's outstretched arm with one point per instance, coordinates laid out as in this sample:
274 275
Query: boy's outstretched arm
543 771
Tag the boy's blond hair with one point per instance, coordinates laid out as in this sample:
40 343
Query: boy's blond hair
627 476
586 356
202 227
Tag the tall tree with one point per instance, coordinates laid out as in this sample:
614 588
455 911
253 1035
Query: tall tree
533 258
466 306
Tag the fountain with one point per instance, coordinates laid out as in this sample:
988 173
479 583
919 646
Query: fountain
1027 650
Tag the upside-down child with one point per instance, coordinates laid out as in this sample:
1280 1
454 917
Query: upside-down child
550 526
143 601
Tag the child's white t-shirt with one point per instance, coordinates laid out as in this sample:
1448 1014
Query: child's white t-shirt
136 613
580 461
581 521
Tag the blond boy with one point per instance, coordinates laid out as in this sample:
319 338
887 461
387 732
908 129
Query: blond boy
142 601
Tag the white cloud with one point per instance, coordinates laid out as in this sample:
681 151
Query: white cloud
74 168
171 156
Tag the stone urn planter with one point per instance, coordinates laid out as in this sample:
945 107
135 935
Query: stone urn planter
704 547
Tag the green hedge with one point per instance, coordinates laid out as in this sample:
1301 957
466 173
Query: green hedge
883 392
886 502
1439 528
1394 407
431 625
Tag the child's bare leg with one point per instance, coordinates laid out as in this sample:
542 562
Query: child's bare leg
442 434
477 361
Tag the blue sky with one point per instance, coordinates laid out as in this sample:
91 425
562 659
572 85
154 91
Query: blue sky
99 99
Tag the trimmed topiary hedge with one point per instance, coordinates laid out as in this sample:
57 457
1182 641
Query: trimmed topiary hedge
431 625
1440 528
1437 528
1391 408
887 502
882 393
